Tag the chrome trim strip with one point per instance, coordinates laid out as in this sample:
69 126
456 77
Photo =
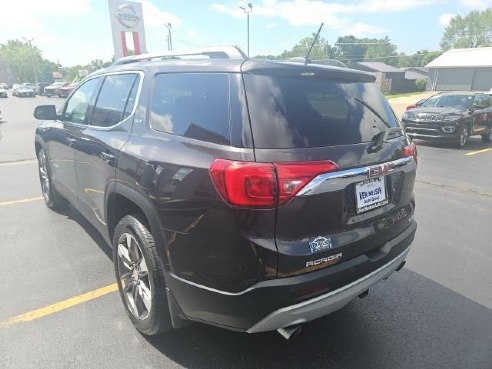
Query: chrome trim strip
201 286
338 180
325 304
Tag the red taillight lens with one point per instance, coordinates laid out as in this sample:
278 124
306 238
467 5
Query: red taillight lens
413 106
245 183
250 184
292 177
410 150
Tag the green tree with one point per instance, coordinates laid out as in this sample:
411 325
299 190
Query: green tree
19 59
348 49
381 50
471 30
319 51
351 49
420 59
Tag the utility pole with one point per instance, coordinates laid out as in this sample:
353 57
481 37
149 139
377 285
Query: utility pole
169 39
32 61
247 10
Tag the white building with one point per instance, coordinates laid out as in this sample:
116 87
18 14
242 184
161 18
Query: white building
461 70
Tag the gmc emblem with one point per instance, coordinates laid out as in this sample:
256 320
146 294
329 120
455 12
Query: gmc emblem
379 170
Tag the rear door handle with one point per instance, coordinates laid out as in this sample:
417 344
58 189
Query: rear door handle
107 157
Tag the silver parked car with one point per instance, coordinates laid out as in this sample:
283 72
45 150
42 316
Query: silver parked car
23 91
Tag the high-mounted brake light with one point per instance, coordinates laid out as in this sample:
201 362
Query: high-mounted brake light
411 150
264 185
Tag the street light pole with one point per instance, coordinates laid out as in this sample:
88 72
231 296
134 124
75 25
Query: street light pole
32 61
169 39
247 10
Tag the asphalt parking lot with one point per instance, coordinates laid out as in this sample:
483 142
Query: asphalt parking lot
435 313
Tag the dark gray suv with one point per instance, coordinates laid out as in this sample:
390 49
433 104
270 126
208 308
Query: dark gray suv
250 195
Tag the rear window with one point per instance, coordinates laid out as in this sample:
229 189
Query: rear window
298 112
194 105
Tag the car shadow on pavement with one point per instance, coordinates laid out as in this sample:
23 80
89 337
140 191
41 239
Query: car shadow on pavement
73 214
408 321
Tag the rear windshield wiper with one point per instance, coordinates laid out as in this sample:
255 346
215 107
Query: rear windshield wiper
382 137
372 110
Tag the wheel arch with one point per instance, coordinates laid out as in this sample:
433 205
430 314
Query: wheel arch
121 201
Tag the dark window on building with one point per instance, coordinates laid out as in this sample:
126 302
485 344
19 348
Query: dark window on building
113 99
194 105
77 107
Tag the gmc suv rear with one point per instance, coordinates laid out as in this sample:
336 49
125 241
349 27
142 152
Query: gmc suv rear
250 195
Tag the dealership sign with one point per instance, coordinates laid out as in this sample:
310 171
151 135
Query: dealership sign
127 26
127 16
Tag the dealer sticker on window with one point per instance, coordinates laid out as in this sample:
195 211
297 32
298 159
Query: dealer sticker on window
370 194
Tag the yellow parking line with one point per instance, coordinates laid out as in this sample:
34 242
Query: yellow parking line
478 152
59 306
21 201
20 162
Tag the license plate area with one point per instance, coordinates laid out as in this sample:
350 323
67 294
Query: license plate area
370 194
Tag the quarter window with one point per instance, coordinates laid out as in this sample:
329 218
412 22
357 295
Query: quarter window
113 100
77 107
194 105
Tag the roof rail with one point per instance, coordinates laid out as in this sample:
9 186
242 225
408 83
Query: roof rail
213 52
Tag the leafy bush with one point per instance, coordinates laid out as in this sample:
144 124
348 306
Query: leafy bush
421 83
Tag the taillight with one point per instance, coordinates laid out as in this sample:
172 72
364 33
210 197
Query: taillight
410 150
413 106
263 185
292 177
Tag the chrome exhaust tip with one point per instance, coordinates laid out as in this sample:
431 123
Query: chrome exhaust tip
290 332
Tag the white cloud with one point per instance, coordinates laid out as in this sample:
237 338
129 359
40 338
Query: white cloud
233 11
313 12
445 18
154 17
28 13
361 30
271 25
391 6
477 4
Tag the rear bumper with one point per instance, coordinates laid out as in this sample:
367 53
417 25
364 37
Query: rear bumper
328 303
278 303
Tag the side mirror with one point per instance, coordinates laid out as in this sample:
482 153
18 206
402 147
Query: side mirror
45 112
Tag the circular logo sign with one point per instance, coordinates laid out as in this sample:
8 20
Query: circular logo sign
127 16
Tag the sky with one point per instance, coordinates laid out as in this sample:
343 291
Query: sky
77 31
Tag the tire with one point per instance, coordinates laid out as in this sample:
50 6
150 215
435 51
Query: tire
140 276
488 136
462 137
52 198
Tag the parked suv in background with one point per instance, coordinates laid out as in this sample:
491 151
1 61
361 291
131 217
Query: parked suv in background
250 195
452 117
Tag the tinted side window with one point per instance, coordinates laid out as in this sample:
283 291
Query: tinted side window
482 101
194 105
488 101
77 106
113 99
